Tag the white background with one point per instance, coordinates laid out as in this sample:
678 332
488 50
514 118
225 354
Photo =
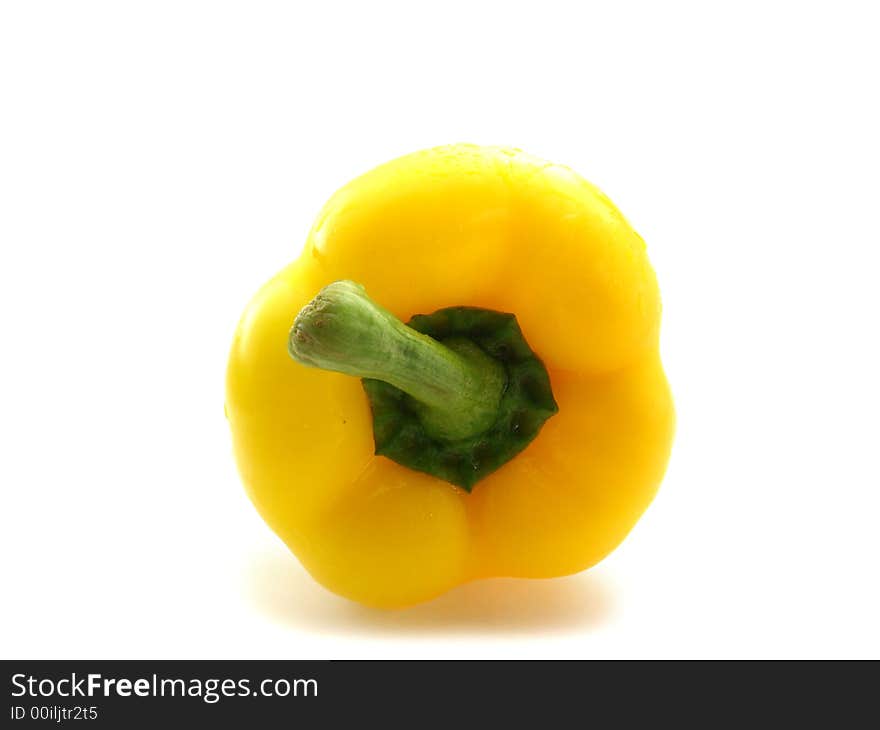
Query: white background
159 161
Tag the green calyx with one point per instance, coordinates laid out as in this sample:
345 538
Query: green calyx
456 394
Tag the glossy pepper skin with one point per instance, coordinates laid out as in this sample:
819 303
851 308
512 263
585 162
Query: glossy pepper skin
483 227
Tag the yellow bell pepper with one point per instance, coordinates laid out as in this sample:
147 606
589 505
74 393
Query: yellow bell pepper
451 227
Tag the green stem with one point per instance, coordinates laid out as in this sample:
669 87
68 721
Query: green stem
456 386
